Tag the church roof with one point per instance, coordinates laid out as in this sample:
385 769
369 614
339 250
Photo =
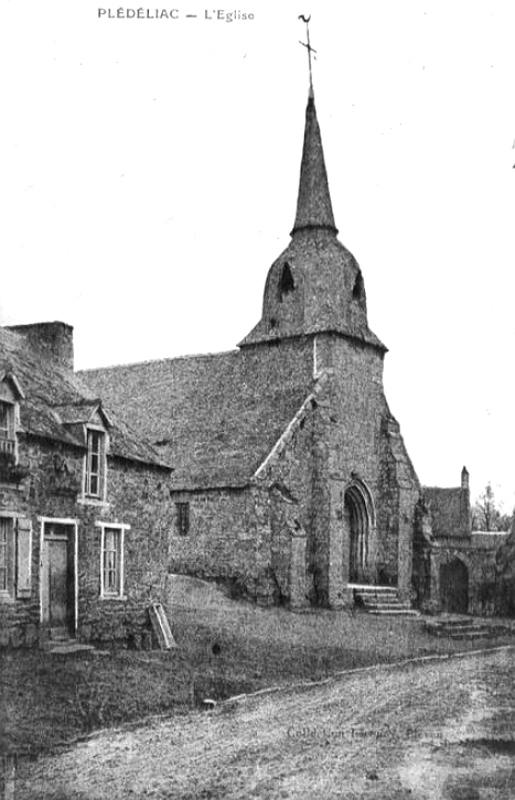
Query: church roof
54 397
214 417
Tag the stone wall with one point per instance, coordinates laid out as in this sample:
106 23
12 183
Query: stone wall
139 497
260 538
365 446
478 555
228 538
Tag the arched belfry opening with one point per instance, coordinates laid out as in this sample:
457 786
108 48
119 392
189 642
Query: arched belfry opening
358 290
286 282
359 523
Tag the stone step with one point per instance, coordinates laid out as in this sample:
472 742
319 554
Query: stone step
71 647
379 590
382 601
459 629
454 631
452 623
400 612
471 635
59 635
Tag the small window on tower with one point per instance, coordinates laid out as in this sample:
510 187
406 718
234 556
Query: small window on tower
183 518
286 284
358 291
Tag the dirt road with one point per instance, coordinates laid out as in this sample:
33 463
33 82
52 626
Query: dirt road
434 730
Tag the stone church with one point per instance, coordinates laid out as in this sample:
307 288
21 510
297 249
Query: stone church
291 480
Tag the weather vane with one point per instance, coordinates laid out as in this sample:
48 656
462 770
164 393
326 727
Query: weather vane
309 49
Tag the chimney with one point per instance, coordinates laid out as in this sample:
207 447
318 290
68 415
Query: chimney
465 478
53 340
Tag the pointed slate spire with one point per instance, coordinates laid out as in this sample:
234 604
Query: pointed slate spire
314 208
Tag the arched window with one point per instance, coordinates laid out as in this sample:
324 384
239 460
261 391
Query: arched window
358 290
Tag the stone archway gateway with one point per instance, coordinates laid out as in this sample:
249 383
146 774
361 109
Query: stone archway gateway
358 524
454 587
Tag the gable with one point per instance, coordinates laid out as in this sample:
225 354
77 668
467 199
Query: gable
10 389
7 395
87 412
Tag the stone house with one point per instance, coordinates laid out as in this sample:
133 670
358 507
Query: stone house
291 479
83 514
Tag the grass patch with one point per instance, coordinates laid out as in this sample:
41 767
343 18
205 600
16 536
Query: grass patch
223 649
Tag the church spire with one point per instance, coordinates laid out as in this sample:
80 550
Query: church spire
314 208
315 286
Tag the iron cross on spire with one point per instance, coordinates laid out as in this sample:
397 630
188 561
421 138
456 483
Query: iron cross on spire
309 49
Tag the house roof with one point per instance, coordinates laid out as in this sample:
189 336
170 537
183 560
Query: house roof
214 417
449 508
56 401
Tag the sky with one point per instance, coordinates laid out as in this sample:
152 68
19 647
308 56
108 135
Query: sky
149 171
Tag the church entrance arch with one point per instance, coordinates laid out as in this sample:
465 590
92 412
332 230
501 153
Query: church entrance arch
454 587
358 515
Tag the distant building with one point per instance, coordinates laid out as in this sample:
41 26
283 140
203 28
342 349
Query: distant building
455 569
84 517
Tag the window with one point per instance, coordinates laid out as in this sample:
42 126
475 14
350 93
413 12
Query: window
183 518
95 463
358 290
15 557
6 555
286 283
112 576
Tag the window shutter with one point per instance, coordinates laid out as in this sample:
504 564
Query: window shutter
24 559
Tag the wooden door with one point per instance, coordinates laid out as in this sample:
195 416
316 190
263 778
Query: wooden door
454 587
356 531
58 597
58 582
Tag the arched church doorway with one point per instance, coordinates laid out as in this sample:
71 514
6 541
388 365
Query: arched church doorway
454 587
357 523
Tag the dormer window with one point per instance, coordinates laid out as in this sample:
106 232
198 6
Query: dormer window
7 430
95 464
10 395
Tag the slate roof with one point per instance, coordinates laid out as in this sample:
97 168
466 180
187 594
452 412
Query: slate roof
449 510
54 397
326 288
214 417
314 207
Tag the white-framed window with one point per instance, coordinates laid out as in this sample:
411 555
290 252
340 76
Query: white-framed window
95 472
112 560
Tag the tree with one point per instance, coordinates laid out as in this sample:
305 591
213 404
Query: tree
487 514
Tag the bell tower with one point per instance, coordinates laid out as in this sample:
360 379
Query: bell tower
316 285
